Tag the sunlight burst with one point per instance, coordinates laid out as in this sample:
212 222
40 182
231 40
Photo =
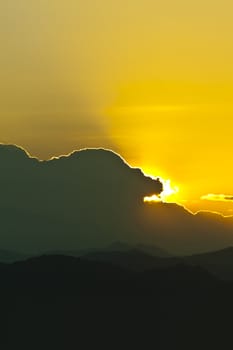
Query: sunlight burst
168 194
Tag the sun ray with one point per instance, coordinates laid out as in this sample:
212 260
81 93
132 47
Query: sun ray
167 195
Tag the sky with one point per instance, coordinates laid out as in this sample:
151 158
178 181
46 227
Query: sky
151 80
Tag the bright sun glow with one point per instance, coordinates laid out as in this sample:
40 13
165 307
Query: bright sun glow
168 194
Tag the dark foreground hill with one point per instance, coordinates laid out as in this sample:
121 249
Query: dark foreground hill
58 302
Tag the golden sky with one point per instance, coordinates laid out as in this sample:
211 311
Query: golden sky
152 80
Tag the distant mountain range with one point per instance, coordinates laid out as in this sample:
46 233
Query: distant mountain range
141 257
218 263
148 249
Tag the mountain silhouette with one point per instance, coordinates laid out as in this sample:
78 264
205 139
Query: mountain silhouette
149 249
81 275
217 263
55 301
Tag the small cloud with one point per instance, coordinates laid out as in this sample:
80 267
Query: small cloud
218 197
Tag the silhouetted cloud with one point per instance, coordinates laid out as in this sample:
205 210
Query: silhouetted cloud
92 198
218 197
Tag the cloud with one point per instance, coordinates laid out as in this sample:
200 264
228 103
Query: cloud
218 197
86 196
92 198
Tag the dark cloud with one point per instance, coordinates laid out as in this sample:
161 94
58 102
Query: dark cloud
92 198
80 199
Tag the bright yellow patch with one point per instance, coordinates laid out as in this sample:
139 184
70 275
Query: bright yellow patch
168 194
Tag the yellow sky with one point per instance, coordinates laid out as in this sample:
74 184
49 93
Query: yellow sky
153 80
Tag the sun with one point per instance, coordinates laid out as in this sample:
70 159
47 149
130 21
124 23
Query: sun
168 194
